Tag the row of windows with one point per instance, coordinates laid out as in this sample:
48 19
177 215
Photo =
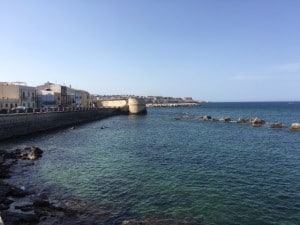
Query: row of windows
11 105
28 94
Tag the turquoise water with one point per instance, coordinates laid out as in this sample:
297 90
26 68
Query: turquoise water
157 166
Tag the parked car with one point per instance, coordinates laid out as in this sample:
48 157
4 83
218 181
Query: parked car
18 109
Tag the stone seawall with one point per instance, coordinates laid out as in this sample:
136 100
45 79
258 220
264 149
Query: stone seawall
15 125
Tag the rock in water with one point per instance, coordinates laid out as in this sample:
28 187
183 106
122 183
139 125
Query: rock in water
257 122
206 118
276 125
295 127
35 153
241 120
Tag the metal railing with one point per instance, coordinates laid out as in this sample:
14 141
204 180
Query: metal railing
47 110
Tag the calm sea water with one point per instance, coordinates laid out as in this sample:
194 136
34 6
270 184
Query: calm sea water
157 166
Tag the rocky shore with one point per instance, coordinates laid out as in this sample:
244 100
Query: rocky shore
19 206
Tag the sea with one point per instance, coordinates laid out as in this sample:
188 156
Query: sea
170 164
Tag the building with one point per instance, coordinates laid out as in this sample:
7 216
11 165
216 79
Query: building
17 94
71 97
45 98
83 99
48 87
63 96
60 94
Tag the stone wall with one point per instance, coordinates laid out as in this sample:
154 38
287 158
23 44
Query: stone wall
137 106
15 125
114 103
127 106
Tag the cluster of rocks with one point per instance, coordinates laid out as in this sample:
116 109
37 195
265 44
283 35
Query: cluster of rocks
18 206
21 207
255 122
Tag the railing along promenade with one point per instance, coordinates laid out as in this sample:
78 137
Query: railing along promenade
47 110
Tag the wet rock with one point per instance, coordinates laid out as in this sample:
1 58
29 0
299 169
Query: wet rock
225 119
13 218
295 127
17 192
25 207
241 120
35 153
4 171
41 200
206 118
276 125
257 122
4 192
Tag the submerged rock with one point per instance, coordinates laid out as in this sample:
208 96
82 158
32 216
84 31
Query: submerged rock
277 125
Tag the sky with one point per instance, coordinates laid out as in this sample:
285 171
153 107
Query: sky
213 50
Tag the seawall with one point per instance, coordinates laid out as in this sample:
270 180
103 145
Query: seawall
20 124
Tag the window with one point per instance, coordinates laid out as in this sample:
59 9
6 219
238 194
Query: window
6 105
11 105
16 105
28 105
23 94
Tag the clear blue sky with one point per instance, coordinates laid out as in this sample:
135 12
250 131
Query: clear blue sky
215 50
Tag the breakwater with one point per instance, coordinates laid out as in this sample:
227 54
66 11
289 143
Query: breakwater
181 104
19 124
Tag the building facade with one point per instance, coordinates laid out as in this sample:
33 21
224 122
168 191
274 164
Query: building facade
17 94
63 96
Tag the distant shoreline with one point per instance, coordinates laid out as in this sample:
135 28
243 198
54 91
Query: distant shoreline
182 104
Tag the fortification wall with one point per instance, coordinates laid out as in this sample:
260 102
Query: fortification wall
112 103
137 106
126 106
15 125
